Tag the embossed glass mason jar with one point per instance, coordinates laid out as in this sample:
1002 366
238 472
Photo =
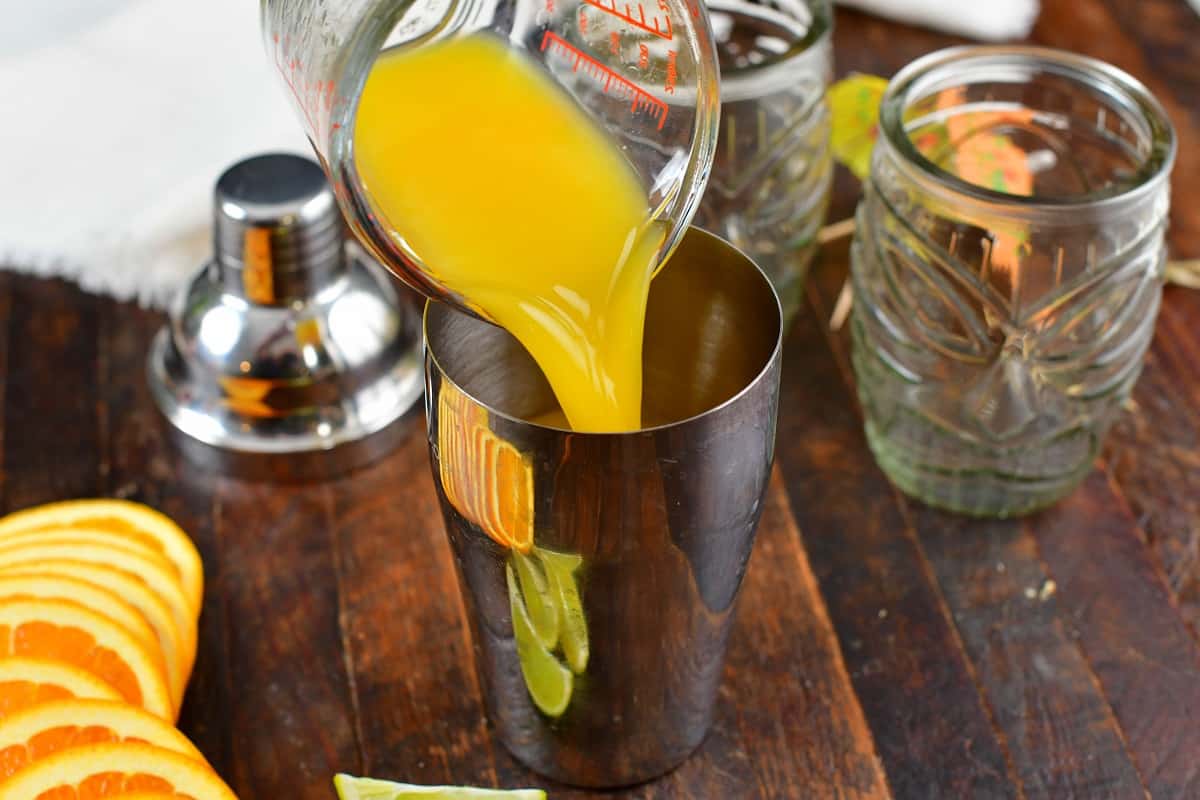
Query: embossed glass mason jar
769 187
1007 271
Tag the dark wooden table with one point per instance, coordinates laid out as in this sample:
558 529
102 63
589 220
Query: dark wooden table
881 648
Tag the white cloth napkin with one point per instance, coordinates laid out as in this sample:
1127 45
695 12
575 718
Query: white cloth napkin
118 116
991 20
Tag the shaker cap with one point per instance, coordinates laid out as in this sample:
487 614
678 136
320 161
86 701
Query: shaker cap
290 354
277 227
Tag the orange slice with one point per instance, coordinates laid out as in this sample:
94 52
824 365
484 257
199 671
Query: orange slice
26 682
136 521
483 476
114 769
100 600
40 584
36 732
66 631
93 536
178 646
511 494
160 578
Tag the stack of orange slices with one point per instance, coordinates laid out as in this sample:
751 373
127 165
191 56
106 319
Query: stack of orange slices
99 601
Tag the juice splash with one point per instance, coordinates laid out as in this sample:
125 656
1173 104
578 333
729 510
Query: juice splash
513 198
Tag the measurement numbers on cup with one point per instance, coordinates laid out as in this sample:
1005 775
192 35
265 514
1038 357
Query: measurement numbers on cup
640 99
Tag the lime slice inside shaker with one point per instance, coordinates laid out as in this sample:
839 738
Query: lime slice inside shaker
352 788
548 681
539 600
573 633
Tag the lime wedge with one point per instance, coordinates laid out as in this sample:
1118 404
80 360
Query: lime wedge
566 563
573 636
543 610
352 788
548 681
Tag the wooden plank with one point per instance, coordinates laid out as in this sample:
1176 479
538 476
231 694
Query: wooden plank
139 463
931 727
291 712
51 396
723 765
1153 453
1115 602
1059 728
786 681
420 714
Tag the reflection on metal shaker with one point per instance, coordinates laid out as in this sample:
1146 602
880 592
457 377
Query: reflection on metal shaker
600 570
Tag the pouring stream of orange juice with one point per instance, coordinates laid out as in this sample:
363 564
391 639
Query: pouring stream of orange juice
513 198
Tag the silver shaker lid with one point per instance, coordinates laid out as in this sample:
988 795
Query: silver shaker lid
277 230
290 354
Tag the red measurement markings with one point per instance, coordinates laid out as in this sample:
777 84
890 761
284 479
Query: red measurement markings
643 56
659 22
614 43
640 99
693 7
672 72
315 99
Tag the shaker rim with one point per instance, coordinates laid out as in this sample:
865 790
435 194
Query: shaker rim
772 358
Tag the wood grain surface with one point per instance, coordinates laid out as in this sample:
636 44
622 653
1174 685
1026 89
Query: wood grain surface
882 649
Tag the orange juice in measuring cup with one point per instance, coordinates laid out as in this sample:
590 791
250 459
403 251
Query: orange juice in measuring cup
531 162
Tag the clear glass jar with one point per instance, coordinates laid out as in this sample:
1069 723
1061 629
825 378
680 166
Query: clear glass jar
769 188
1007 271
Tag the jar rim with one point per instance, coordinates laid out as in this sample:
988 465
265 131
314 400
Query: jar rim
817 26
806 53
1100 76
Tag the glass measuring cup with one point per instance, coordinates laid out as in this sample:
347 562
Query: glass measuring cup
644 70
